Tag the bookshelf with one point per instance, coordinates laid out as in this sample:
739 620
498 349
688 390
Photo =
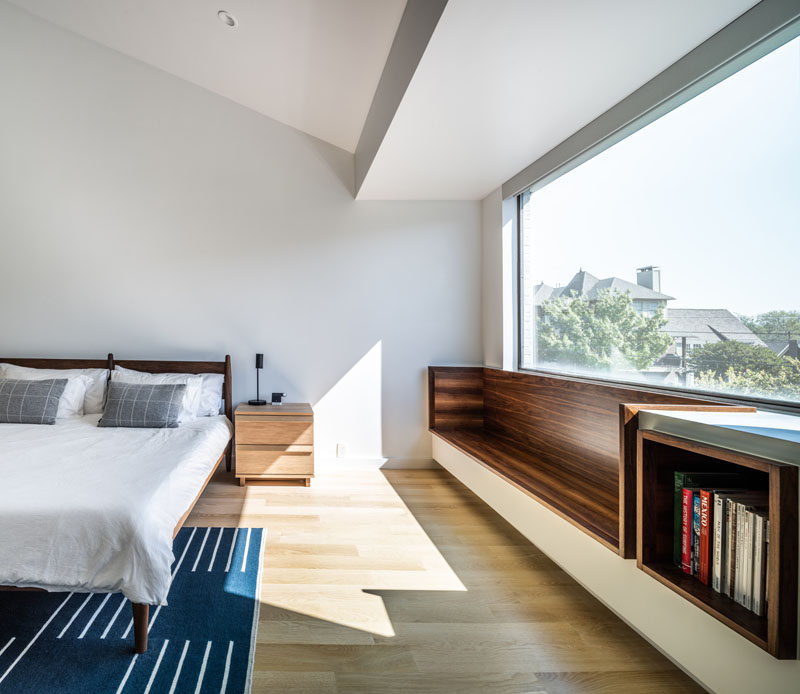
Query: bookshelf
659 455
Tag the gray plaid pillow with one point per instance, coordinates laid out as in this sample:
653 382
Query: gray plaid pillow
30 402
142 405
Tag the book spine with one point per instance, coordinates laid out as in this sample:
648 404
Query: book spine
703 572
686 531
749 544
738 591
759 566
718 551
695 534
677 548
731 520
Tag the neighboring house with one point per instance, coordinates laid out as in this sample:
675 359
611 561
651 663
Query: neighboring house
700 326
784 348
689 327
645 294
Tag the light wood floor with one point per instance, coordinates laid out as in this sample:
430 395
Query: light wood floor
386 581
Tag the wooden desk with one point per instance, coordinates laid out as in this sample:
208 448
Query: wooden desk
274 442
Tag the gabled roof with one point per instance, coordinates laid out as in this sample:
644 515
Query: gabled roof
587 285
708 325
636 291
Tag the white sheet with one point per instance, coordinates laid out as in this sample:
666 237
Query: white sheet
90 509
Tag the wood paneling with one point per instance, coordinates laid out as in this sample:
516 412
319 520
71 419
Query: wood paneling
561 436
559 485
455 396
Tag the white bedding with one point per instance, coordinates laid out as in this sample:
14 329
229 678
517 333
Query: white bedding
91 509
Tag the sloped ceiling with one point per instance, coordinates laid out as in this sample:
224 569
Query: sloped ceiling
503 82
312 64
500 82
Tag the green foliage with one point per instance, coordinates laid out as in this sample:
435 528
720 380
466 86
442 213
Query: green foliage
719 357
738 367
774 325
758 383
603 334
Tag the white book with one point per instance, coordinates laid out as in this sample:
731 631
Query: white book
760 565
747 587
738 587
718 565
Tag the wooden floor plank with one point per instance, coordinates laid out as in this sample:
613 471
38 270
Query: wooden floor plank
393 581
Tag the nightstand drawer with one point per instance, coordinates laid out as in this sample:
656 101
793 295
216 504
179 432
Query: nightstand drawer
256 459
286 430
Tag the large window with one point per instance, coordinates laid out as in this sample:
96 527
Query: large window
672 258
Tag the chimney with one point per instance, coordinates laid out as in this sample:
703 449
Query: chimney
649 276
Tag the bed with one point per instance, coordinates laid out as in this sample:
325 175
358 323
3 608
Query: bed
91 509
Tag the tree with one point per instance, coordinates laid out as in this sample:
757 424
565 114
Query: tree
775 325
602 334
745 369
719 357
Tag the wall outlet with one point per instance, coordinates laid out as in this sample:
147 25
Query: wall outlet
341 450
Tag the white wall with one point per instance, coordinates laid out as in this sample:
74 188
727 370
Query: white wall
146 216
498 290
712 653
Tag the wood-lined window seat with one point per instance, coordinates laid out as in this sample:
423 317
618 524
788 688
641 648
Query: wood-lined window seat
557 439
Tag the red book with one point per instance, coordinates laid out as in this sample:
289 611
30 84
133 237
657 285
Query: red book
686 531
705 544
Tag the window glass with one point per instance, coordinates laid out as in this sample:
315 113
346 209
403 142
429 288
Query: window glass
672 258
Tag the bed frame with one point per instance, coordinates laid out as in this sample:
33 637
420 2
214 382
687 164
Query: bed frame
141 613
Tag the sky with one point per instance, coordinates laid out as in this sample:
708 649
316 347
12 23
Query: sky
710 193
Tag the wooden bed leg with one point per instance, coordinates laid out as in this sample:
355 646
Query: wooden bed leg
141 617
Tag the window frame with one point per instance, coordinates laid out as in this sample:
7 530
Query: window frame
764 28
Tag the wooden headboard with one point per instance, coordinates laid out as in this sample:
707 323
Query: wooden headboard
154 366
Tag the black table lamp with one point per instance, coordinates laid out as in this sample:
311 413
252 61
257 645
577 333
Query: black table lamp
259 366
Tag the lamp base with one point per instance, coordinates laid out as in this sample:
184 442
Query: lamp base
256 402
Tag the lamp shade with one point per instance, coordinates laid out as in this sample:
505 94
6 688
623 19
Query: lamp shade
259 361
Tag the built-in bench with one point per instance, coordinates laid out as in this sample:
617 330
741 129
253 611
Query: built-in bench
560 440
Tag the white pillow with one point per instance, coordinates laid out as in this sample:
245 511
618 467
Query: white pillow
193 383
95 388
211 395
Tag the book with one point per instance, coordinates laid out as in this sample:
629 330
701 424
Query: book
747 558
708 480
695 531
760 565
746 505
686 531
738 571
704 540
730 555
719 549
719 534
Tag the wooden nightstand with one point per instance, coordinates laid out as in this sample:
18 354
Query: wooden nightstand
274 442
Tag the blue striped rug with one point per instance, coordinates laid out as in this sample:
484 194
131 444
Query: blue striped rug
202 642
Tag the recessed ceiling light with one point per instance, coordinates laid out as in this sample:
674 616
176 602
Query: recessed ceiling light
227 19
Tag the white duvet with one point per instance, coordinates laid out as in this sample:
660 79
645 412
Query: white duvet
92 509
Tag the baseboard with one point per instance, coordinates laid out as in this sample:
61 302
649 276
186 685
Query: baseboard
378 463
411 464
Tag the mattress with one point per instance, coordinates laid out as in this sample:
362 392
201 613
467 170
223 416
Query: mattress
89 509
